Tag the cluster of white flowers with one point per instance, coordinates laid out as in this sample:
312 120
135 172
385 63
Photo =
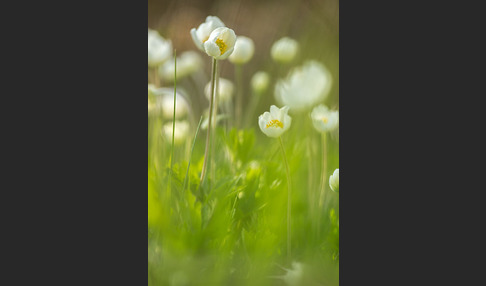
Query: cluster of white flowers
161 103
306 87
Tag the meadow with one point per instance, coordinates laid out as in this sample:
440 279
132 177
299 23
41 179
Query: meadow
243 152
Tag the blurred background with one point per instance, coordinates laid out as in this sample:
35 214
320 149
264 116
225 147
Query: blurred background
313 23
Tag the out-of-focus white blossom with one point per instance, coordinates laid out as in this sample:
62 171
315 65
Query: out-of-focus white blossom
188 63
180 134
294 276
244 50
334 181
276 122
202 33
221 43
225 90
304 87
323 119
259 81
284 50
164 102
159 49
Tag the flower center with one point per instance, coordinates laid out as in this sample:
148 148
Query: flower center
324 119
222 46
274 123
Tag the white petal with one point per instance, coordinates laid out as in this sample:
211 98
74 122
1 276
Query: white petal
225 55
275 112
196 39
212 49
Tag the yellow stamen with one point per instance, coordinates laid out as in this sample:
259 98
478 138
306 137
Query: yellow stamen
222 46
324 119
274 123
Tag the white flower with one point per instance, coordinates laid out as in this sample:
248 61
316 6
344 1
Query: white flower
323 119
225 90
188 63
159 49
180 134
201 34
221 43
165 103
304 86
334 181
244 50
284 50
275 122
259 81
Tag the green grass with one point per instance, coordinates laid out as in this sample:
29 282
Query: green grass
232 229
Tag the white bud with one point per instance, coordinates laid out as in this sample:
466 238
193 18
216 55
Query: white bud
159 49
225 90
284 50
244 50
260 81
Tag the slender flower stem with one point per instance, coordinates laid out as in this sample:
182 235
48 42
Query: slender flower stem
173 124
239 94
190 156
215 123
211 107
173 115
289 202
324 169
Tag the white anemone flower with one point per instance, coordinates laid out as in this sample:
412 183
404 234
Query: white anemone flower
225 90
304 87
165 103
334 181
323 119
159 49
284 50
202 33
276 122
188 63
221 43
259 81
180 132
244 50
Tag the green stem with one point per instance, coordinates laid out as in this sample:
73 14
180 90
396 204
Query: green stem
173 126
239 94
324 169
190 156
208 135
174 113
289 198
